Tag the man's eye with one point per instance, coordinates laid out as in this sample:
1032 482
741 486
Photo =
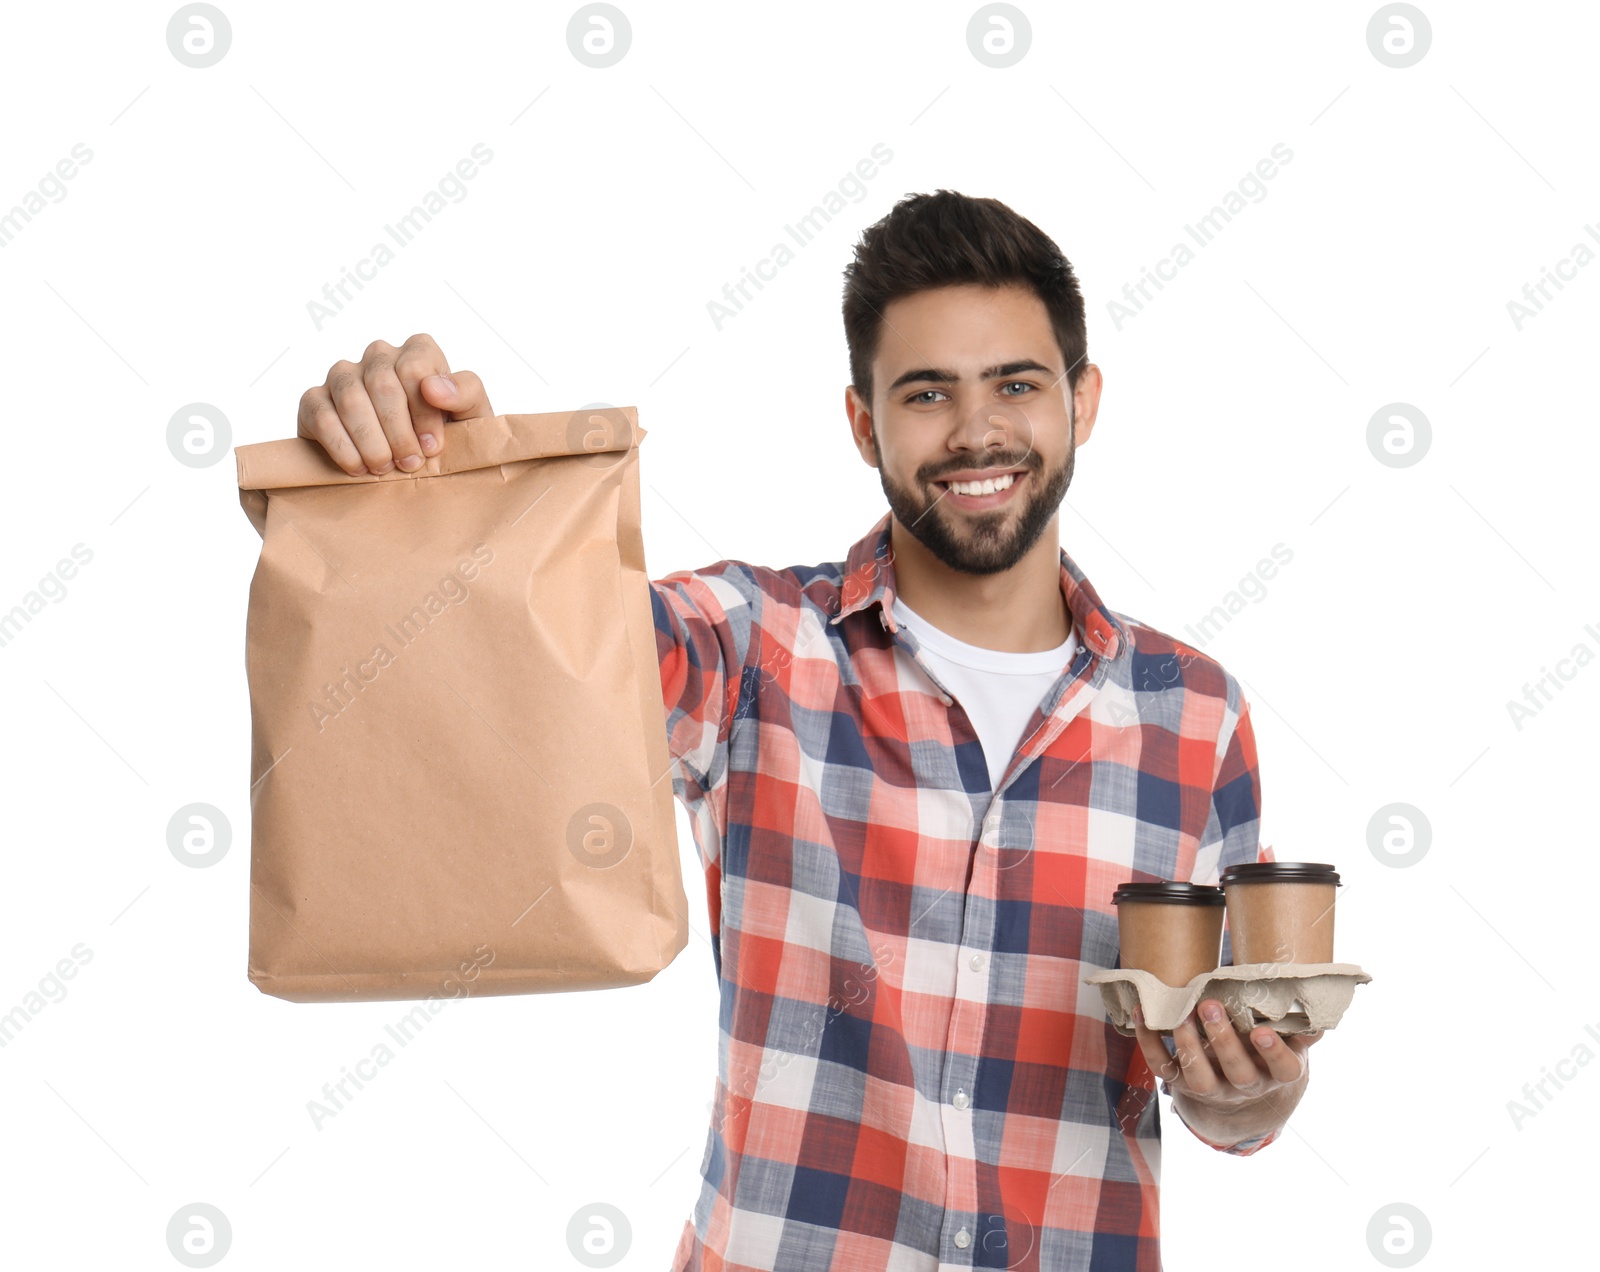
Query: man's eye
1014 383
922 396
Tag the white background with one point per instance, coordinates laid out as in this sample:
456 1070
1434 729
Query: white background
1379 664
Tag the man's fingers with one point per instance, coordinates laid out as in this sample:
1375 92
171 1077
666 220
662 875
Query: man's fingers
1154 1050
1199 1075
437 394
319 421
357 416
421 361
457 395
1285 1062
388 413
468 402
1239 1066
1245 1067
391 403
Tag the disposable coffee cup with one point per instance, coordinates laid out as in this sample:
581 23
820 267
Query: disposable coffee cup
1281 911
1171 930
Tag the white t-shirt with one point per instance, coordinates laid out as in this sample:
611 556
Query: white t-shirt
997 689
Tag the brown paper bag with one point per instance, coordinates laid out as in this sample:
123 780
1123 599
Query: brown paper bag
459 761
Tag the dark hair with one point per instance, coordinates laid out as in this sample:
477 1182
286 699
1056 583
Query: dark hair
944 239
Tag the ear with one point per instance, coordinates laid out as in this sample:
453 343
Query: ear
860 426
1086 403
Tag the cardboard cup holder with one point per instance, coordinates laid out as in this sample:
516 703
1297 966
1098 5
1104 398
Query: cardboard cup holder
1293 998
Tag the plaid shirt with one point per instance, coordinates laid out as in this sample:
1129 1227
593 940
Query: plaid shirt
911 1073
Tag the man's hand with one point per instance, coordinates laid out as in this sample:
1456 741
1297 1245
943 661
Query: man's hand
1226 1088
390 410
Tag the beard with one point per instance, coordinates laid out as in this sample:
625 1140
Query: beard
981 542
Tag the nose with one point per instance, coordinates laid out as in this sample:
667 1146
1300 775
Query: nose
995 429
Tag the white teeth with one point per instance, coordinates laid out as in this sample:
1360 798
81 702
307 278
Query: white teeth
988 487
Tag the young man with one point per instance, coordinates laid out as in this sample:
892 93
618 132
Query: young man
915 778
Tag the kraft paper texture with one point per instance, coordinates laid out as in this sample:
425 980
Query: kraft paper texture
1293 998
459 759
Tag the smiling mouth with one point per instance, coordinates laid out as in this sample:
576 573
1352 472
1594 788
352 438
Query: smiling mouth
999 482
976 496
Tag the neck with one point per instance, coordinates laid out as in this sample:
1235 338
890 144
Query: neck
1020 610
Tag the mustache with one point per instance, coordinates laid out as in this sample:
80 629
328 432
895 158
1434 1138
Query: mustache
1028 462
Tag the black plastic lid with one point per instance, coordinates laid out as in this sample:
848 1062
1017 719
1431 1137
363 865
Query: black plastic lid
1169 893
1281 872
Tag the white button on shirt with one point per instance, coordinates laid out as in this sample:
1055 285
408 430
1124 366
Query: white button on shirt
997 689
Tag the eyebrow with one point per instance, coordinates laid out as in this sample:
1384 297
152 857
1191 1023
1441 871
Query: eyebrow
937 375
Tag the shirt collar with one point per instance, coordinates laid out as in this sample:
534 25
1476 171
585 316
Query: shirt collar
869 580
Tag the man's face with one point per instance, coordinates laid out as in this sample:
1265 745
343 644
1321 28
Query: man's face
969 381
